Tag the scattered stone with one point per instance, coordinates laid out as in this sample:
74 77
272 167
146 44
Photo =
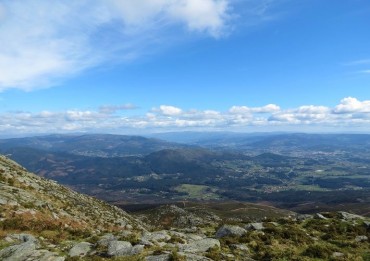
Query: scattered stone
149 239
81 249
44 255
303 217
24 238
228 230
202 245
137 249
104 240
125 233
123 248
320 216
194 237
119 248
361 238
128 226
228 256
190 230
240 247
160 236
255 226
18 252
349 216
337 255
367 224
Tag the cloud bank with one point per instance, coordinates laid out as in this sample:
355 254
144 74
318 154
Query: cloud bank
43 41
350 114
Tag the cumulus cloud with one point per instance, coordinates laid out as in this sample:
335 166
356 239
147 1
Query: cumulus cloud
265 109
350 113
43 41
306 114
352 105
168 110
311 109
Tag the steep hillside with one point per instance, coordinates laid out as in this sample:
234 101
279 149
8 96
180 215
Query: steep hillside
26 197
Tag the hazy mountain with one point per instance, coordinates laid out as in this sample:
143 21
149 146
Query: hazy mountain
285 143
97 145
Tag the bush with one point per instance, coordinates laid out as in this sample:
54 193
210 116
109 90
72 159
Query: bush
318 251
214 253
53 236
176 257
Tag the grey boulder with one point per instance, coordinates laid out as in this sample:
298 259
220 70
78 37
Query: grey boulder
228 230
255 226
81 249
202 245
123 248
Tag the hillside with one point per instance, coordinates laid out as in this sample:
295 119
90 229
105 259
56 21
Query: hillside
41 220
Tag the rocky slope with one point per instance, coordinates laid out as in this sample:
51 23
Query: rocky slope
41 220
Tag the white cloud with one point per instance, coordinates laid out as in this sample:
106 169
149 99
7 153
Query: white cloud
351 105
169 110
244 109
311 109
284 117
206 15
306 114
43 41
350 113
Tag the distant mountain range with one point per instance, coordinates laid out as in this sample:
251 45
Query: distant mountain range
247 142
94 145
295 171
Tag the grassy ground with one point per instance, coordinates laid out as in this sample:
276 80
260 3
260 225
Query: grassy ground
197 192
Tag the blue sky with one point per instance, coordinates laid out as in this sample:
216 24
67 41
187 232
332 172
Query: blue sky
162 65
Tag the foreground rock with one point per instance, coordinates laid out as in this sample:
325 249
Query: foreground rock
27 250
202 245
255 226
228 230
123 248
81 249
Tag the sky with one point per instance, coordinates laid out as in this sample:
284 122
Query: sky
133 67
